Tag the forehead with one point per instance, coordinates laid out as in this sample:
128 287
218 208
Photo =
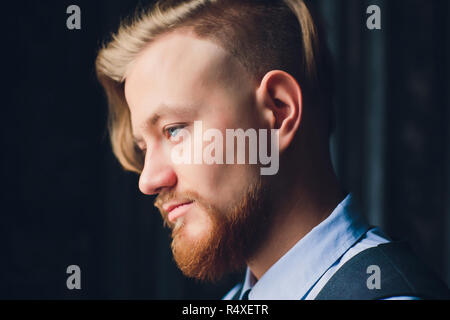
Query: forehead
174 66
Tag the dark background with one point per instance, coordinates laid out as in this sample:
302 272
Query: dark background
65 199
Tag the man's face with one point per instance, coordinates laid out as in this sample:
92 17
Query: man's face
214 209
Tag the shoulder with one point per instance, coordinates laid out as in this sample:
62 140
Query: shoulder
384 271
372 238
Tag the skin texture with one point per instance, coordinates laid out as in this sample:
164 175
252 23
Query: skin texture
183 79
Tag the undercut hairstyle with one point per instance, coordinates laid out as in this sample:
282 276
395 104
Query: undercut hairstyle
263 35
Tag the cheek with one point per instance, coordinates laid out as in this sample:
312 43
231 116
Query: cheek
220 185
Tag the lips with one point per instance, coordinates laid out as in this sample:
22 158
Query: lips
169 207
176 210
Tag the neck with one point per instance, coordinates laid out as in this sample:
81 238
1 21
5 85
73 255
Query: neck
315 193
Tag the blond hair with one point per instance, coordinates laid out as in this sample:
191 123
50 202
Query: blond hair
263 35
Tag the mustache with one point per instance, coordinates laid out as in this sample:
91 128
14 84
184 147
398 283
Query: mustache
186 196
182 196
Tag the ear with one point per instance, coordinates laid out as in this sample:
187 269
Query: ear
280 97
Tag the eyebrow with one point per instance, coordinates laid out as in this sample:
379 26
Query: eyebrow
162 111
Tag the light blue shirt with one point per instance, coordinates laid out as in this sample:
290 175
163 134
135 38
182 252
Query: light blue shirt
305 269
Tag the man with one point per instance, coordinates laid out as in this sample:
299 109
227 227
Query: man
181 80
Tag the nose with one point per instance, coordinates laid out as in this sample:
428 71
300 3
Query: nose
156 175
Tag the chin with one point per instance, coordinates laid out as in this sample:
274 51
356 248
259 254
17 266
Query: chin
191 230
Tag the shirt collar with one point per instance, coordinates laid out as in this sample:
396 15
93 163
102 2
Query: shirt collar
294 274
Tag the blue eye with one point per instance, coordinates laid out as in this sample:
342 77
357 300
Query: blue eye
173 131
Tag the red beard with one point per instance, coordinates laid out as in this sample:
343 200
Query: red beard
234 236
